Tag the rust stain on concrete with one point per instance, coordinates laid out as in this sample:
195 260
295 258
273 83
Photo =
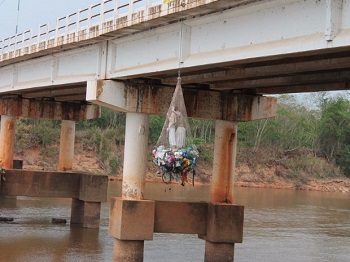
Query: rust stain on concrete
222 190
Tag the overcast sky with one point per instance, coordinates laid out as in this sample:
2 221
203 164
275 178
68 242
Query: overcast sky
33 13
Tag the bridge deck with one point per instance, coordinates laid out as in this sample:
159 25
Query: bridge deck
242 46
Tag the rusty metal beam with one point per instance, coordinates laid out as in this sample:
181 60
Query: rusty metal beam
199 103
47 109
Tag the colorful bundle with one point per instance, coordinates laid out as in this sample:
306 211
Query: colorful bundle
175 162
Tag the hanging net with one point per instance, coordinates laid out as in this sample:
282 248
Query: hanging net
175 154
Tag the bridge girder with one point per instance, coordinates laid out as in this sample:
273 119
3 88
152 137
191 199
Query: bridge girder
223 48
199 103
20 107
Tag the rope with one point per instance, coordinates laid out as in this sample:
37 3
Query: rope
183 4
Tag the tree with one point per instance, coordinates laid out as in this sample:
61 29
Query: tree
334 128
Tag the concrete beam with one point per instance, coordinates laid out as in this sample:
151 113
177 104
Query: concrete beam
20 107
131 219
86 187
139 219
334 15
199 103
181 217
40 184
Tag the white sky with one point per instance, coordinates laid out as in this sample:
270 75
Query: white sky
33 13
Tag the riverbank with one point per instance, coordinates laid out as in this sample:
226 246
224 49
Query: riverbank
328 185
323 185
259 170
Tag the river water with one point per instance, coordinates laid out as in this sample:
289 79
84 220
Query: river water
279 225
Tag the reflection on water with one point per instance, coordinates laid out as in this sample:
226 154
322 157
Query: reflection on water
280 225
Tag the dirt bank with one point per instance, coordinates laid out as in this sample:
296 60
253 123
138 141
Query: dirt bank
265 176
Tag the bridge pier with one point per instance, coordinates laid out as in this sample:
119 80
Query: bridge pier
219 247
133 219
79 208
67 138
7 141
88 191
129 244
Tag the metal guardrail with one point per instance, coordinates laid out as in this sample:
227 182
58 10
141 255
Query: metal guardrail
91 22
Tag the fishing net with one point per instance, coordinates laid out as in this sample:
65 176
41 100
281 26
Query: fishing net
175 154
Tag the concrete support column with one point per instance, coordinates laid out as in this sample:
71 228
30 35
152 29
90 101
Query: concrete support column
85 213
222 185
135 156
134 177
215 252
7 141
66 156
224 162
128 250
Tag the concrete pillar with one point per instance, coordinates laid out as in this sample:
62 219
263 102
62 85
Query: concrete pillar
135 156
66 156
130 250
222 184
134 177
87 214
7 141
215 252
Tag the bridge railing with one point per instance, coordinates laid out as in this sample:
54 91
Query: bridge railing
91 22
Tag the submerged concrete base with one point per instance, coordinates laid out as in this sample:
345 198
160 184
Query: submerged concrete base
133 221
86 190
85 213
219 252
128 250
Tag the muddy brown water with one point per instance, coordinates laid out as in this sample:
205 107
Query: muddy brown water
280 225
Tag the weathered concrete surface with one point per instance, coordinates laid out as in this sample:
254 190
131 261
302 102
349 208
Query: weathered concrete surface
131 219
131 251
222 182
54 184
85 213
7 141
225 223
21 107
40 184
87 191
199 103
222 252
66 153
180 217
135 156
93 188
225 220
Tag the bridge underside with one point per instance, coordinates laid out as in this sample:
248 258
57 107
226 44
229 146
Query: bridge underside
242 47
326 70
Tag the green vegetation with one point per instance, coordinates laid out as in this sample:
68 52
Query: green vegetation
300 142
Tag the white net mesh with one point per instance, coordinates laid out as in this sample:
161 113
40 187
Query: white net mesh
175 152
176 118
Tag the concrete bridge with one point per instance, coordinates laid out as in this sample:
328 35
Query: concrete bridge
126 55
